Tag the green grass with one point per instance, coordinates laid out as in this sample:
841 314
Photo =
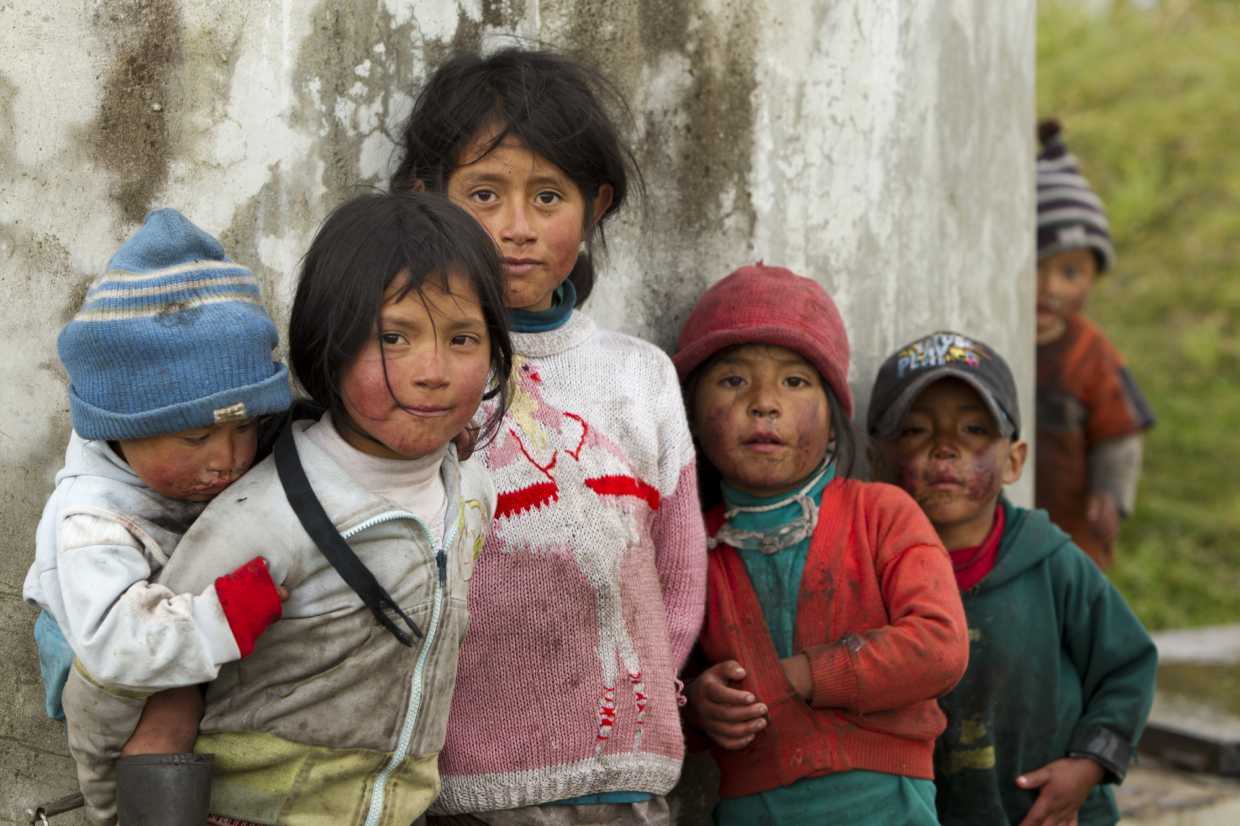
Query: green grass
1150 106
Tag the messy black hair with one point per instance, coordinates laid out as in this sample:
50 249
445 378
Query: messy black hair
557 107
358 251
844 438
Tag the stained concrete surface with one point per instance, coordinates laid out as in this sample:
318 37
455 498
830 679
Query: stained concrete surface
1216 644
1159 795
876 147
1199 681
1198 693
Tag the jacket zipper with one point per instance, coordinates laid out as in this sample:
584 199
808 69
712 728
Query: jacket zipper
417 679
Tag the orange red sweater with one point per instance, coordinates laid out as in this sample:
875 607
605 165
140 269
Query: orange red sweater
880 618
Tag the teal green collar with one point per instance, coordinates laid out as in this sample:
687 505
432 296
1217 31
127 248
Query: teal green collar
772 523
540 321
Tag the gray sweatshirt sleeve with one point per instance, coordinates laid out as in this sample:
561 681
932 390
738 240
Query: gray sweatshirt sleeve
1115 468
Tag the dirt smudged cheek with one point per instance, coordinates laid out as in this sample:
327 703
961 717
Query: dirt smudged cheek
982 483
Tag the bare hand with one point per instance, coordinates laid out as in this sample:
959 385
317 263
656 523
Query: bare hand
796 671
729 716
1064 784
282 592
1103 515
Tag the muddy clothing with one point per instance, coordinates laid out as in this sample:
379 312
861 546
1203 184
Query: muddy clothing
775 577
1058 666
332 720
653 811
887 799
879 617
103 536
589 593
1087 401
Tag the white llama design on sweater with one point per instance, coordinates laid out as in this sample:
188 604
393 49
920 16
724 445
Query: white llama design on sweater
565 453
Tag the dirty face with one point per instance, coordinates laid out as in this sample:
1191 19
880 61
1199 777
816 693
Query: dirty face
760 414
533 210
952 459
419 380
1064 282
193 465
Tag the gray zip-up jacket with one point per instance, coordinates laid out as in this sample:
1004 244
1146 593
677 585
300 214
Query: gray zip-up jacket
331 720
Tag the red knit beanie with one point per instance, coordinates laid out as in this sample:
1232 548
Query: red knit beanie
768 305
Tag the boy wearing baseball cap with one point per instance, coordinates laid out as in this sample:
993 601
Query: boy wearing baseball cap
1090 412
1061 674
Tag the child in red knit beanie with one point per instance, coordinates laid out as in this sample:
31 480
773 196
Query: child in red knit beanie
832 620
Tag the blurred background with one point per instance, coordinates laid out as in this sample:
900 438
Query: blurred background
1149 97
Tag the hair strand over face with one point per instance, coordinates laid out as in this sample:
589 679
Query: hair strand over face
359 251
555 106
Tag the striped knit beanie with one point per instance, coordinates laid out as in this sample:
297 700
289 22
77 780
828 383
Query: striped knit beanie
172 337
768 305
1070 213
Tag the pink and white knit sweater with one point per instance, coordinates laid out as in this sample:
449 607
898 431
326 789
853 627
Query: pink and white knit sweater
589 592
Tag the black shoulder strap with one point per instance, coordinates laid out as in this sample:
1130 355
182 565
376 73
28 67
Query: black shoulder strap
316 523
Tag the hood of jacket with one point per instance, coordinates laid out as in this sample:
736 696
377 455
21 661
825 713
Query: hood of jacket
1029 537
97 481
105 474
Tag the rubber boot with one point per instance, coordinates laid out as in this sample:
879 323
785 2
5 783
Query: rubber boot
163 789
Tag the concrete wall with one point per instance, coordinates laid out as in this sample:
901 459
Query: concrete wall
883 148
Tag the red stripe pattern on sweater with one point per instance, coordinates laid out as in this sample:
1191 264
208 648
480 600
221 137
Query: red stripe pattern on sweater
588 594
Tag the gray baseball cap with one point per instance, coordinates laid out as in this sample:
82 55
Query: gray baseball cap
937 356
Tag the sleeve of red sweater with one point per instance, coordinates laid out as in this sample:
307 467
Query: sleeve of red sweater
924 650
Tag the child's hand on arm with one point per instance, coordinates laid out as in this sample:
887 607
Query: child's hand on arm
730 716
797 672
1064 785
1103 514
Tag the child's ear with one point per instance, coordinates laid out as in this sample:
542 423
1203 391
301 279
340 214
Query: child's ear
602 203
688 391
1017 454
877 461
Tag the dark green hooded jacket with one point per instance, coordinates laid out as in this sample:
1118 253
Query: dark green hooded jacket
1058 666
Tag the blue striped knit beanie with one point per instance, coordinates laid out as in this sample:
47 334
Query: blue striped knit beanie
1070 213
172 337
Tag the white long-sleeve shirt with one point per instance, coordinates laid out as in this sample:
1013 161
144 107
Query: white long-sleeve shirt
103 537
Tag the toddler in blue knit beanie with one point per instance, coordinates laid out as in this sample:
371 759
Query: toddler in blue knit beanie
170 364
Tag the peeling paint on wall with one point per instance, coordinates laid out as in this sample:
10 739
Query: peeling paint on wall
341 105
241 239
130 135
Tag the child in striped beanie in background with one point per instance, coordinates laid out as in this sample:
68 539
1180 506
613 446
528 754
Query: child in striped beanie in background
170 365
1090 412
